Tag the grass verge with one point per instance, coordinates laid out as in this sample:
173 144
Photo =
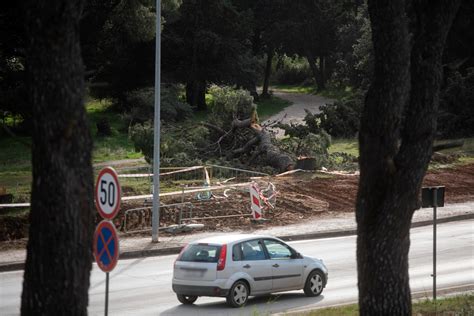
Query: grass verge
348 146
329 92
15 153
457 305
294 88
271 106
114 147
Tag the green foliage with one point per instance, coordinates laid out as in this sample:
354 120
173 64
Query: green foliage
292 71
142 105
120 52
142 138
457 305
310 145
179 145
229 103
341 118
209 43
295 88
270 106
457 106
363 55
312 125
342 145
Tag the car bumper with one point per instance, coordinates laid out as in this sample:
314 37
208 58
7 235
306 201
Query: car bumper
199 290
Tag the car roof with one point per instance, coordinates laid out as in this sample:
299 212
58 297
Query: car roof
227 239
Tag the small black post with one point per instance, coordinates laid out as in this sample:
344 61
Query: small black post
106 294
435 204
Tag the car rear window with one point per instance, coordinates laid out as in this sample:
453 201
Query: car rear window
248 251
201 253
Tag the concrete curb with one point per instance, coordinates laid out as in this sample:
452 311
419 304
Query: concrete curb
13 266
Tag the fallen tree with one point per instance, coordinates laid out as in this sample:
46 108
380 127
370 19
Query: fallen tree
231 135
259 145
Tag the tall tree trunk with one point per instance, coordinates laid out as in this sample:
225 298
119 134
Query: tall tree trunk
322 73
315 71
59 252
396 136
196 94
268 70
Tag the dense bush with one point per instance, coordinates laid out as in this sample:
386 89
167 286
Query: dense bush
456 117
179 146
142 104
228 103
341 118
292 71
310 145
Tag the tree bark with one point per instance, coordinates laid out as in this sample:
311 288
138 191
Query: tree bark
268 70
322 73
316 71
196 94
271 154
398 124
59 251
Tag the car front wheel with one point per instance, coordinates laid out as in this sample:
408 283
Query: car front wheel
186 299
238 294
314 284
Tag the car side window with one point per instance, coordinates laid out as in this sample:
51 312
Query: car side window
237 252
277 250
247 251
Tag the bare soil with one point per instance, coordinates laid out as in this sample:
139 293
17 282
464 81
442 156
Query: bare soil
309 195
300 197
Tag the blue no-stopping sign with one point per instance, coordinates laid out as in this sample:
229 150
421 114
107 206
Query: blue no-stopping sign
106 246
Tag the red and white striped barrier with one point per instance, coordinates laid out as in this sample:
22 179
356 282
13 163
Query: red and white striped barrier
255 203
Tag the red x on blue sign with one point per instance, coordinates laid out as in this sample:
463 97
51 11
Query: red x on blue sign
106 246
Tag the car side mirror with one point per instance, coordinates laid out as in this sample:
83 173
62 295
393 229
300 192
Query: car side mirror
296 255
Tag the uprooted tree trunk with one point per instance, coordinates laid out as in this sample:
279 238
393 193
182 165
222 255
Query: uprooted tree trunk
260 143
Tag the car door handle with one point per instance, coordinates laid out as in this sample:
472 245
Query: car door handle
247 266
276 265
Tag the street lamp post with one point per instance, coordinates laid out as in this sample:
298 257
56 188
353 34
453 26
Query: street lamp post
156 140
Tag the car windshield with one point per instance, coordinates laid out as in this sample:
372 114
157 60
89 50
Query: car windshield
201 253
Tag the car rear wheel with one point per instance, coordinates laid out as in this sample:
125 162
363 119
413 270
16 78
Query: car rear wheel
314 284
238 294
186 299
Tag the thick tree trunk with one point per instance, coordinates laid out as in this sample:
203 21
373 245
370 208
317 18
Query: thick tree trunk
271 154
395 139
322 73
59 252
315 71
196 94
268 70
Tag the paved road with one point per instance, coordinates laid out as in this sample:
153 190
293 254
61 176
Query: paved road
143 286
295 113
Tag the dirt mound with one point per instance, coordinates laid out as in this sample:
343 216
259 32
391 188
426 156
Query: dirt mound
300 197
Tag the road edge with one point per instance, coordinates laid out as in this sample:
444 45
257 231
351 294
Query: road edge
14 266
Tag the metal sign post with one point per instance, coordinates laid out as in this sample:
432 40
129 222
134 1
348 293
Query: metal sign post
106 252
155 221
106 241
433 197
106 294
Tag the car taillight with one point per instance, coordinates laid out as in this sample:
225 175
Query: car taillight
181 253
222 256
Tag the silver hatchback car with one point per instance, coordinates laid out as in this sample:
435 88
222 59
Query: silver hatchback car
237 266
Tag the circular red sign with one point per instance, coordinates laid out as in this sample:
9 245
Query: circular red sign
106 246
107 193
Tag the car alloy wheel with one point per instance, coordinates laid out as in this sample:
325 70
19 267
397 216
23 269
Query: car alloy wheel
314 284
238 294
186 299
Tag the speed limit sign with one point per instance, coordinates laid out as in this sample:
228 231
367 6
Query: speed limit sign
107 193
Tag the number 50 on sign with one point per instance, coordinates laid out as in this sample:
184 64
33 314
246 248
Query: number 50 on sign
107 193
